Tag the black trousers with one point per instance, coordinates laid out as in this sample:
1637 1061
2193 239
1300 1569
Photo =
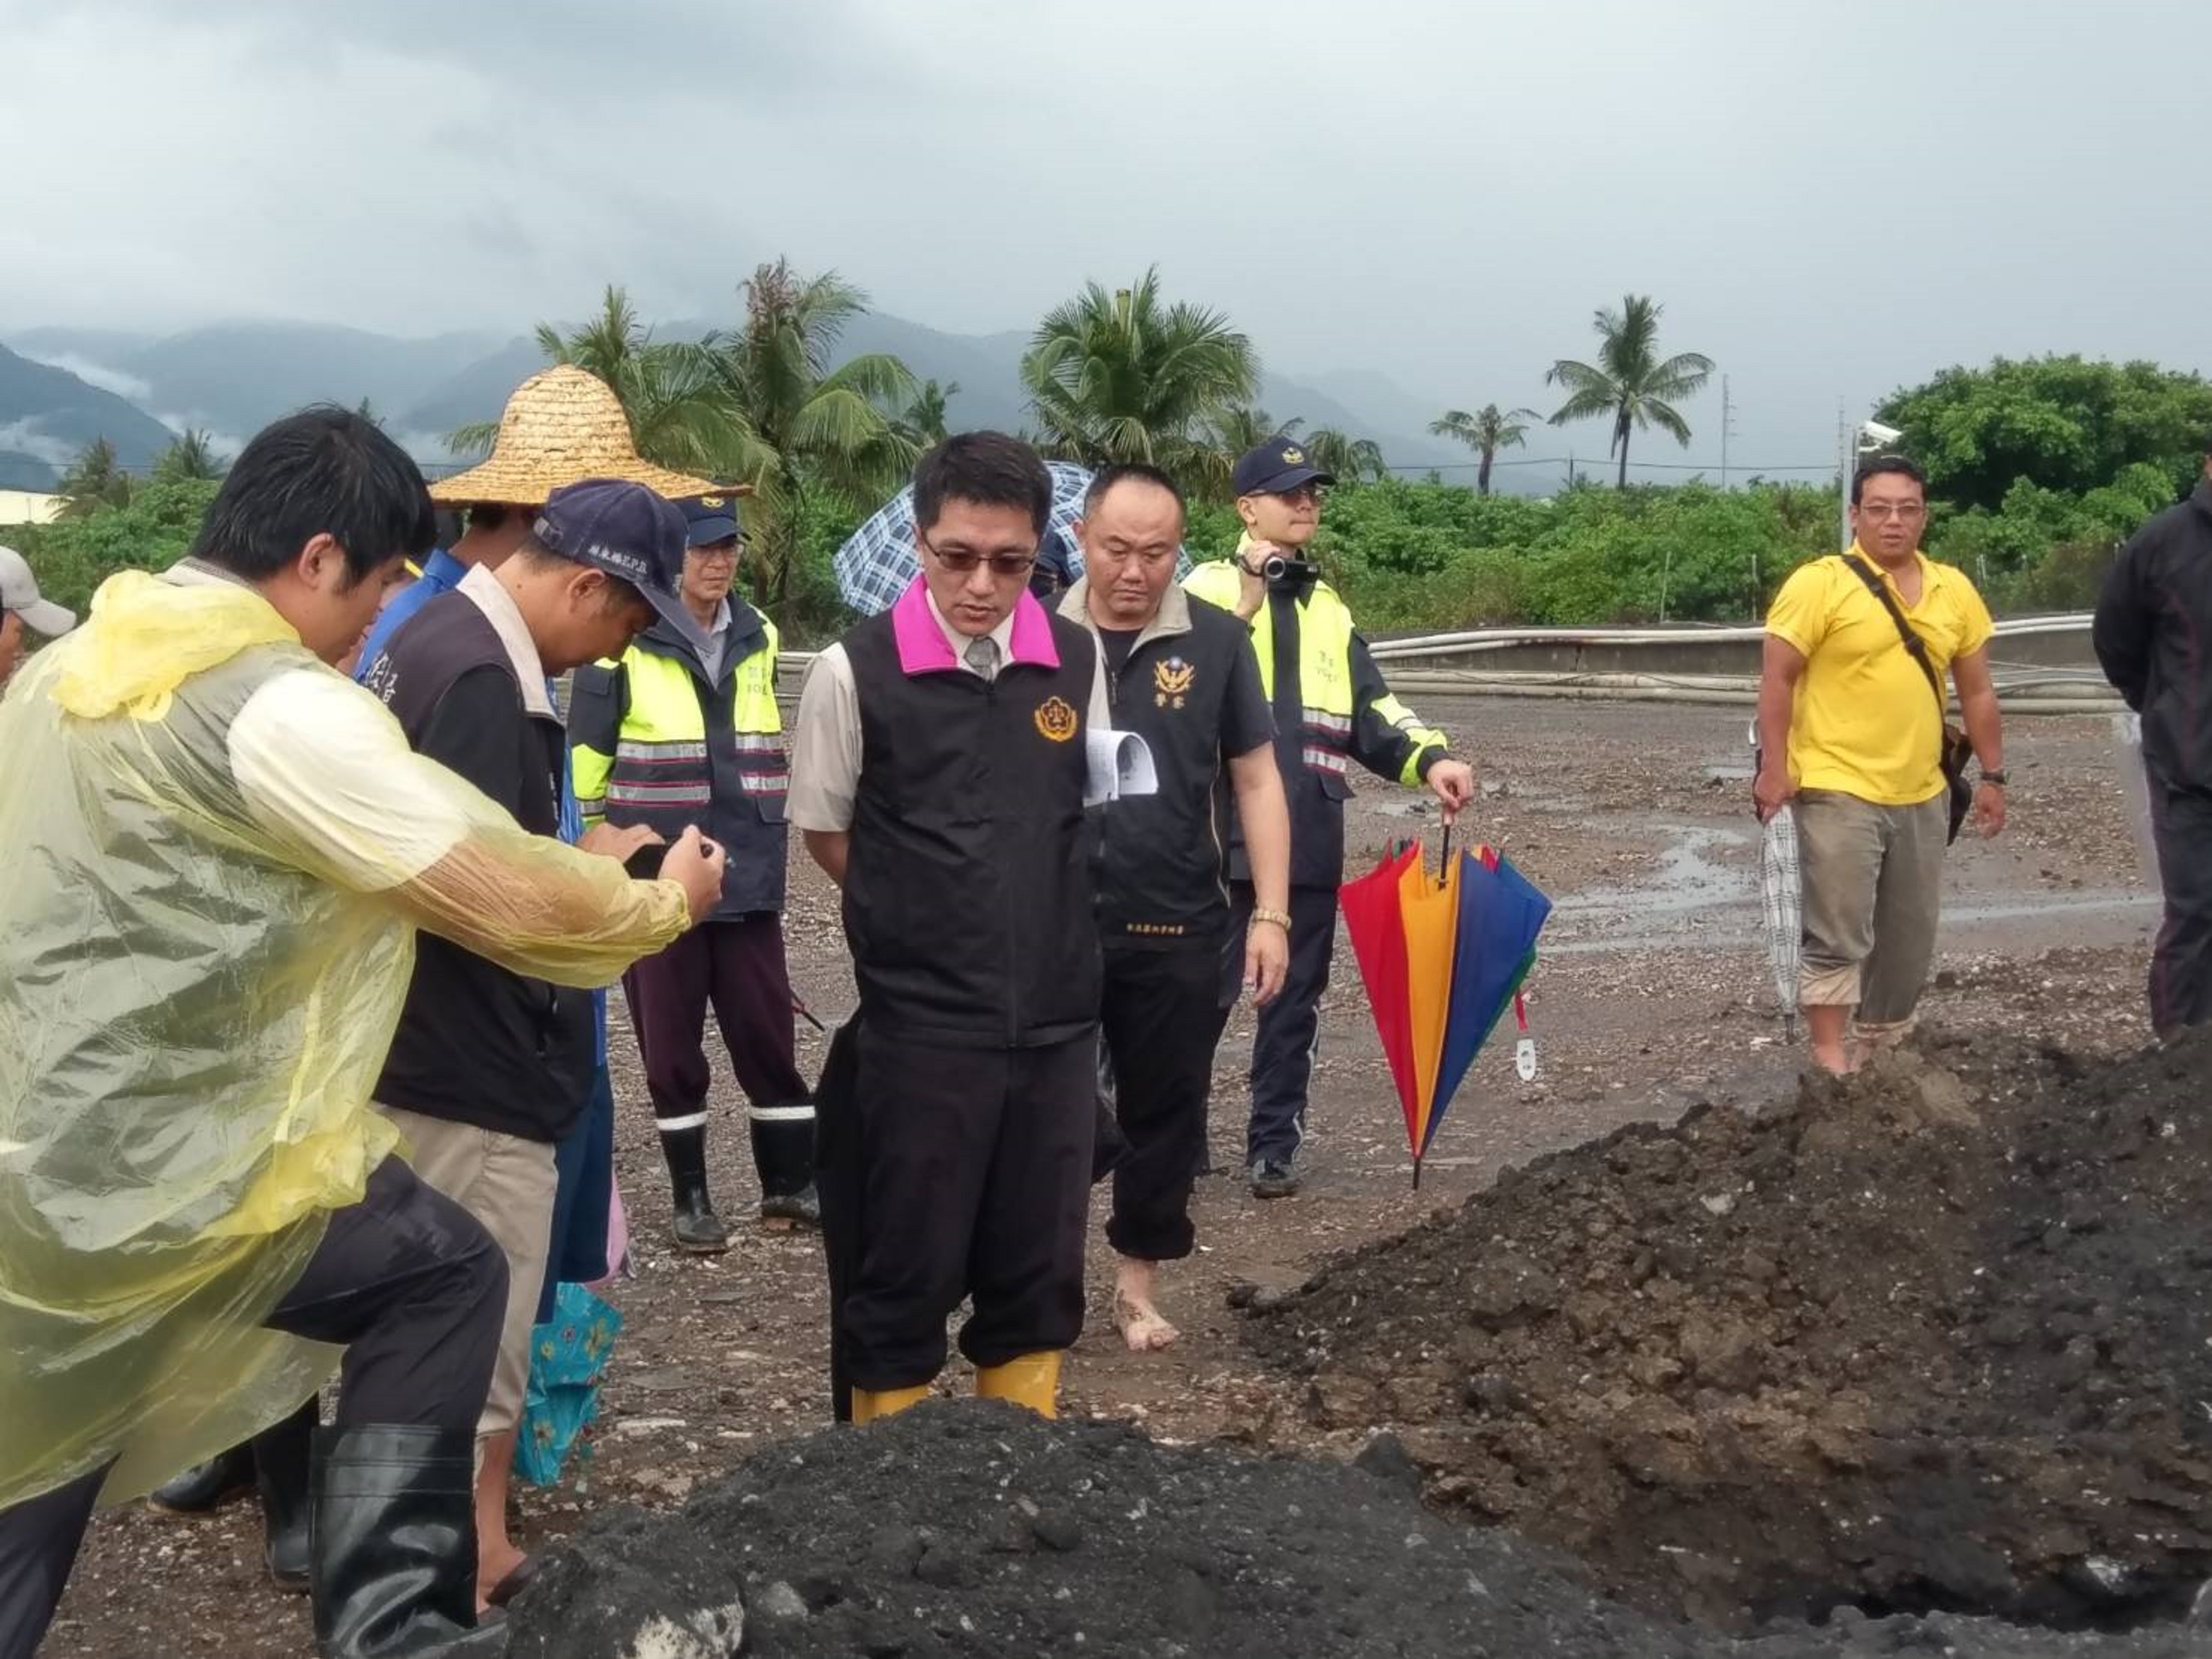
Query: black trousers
413 1287
1162 1016
973 1179
1290 1027
2181 960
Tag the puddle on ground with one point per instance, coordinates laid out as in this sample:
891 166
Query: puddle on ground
1687 878
1691 897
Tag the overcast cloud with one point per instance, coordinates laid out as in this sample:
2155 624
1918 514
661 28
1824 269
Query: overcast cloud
1829 201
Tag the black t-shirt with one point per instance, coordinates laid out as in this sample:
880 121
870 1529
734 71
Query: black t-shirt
1116 644
1195 698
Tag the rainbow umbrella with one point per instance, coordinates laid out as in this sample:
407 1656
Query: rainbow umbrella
1442 957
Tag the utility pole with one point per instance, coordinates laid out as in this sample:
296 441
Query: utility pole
1727 425
1844 465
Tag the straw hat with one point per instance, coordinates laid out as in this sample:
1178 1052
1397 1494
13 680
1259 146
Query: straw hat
561 427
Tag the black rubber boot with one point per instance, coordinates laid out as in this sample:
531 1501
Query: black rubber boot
283 1460
783 1153
699 1231
206 1487
394 1557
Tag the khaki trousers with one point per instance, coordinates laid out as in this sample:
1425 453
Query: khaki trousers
1874 891
507 1183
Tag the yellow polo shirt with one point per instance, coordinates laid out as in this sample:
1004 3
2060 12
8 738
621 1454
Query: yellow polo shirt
1866 722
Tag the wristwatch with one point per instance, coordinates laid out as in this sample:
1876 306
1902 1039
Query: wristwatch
1996 777
1281 919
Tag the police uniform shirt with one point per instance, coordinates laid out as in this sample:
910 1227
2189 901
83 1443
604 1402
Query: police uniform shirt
825 748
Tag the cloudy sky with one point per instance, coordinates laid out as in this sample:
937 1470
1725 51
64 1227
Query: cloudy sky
1829 200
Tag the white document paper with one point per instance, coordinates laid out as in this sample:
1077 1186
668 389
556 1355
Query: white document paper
1120 764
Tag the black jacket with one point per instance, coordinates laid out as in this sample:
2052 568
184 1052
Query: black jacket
2153 637
477 1044
970 889
1190 688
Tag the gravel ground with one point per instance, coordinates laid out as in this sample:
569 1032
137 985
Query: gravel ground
1651 997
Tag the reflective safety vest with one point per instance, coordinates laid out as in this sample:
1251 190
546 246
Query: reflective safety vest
653 741
1345 714
1327 689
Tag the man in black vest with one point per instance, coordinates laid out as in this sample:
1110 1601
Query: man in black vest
488 1068
939 776
1182 675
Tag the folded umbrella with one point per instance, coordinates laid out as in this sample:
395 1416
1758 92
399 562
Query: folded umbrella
1782 901
1442 957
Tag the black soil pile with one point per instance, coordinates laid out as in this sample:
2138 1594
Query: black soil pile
1939 1336
972 1527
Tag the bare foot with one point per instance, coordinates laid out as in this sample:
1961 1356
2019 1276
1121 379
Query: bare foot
1135 1314
1835 1061
1142 1326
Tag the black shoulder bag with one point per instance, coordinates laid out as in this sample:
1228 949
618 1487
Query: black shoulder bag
1956 750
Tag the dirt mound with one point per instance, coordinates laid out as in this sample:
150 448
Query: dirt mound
1936 1337
973 1529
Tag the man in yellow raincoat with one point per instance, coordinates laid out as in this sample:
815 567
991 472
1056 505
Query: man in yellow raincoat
206 932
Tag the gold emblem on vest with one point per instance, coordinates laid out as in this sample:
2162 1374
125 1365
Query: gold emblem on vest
1055 720
1171 681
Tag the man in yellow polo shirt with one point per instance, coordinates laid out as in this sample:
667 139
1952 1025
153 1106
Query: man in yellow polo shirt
1851 730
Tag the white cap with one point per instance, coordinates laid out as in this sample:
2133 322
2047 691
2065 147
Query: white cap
19 592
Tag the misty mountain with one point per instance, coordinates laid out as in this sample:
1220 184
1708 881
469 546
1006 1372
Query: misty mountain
49 415
22 471
233 378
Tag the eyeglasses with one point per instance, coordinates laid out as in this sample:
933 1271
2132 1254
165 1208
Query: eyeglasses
1314 493
1903 512
962 560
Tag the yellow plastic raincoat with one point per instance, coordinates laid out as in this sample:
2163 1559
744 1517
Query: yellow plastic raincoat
197 989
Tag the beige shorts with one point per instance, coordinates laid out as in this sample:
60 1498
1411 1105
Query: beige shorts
507 1183
1873 895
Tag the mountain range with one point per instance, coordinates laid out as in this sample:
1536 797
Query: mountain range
60 387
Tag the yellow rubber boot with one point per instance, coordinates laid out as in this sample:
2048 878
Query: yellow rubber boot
868 1405
1030 1379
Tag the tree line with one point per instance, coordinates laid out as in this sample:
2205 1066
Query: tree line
2036 468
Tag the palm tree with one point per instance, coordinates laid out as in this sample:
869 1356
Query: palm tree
192 456
923 423
1486 432
1128 377
1630 383
679 416
1344 457
1245 427
94 480
804 429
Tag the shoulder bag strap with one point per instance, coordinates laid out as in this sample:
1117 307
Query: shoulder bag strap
1915 647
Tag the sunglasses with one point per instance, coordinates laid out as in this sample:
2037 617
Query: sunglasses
960 561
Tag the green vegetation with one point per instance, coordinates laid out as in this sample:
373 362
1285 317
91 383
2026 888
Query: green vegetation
149 531
1128 377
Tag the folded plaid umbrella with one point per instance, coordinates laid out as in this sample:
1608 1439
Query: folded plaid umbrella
1782 898
877 561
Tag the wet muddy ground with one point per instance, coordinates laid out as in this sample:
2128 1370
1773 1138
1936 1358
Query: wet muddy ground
1651 997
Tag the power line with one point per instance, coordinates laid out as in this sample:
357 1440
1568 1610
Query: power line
1633 466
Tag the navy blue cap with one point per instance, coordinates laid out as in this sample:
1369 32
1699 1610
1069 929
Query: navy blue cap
1275 466
711 519
625 530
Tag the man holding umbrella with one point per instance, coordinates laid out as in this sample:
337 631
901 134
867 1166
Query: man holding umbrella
1182 675
1332 707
